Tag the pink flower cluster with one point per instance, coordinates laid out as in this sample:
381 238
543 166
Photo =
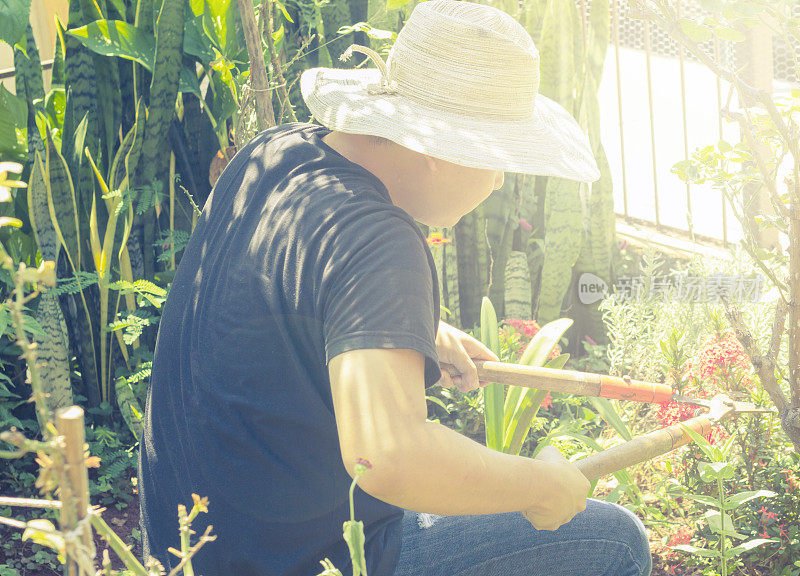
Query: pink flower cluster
527 329
721 363
719 367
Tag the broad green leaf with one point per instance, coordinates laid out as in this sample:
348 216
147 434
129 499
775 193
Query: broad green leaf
710 472
13 20
123 40
702 499
396 4
558 362
749 545
738 499
117 38
728 34
541 346
696 551
704 444
195 42
722 524
696 32
433 399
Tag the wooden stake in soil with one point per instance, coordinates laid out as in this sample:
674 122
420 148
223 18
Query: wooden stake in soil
74 481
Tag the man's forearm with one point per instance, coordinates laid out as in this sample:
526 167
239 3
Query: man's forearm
437 470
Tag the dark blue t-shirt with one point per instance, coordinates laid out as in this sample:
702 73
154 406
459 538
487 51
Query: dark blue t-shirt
299 255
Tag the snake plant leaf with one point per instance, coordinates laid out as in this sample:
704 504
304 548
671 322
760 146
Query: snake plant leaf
129 407
29 84
493 394
470 275
501 220
163 93
62 205
561 250
518 286
599 33
561 32
82 105
53 353
39 212
445 259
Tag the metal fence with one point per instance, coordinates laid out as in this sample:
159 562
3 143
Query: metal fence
673 104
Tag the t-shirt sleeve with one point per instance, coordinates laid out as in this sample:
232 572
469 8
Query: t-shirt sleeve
379 291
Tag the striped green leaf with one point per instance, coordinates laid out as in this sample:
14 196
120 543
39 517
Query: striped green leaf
522 404
493 394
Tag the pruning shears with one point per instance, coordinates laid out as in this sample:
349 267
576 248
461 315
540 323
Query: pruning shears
638 449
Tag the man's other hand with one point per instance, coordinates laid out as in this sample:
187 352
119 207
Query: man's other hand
561 498
459 349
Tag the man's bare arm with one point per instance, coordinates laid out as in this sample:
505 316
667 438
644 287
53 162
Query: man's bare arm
379 400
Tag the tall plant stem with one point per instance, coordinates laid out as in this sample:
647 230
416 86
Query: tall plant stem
268 10
258 71
721 496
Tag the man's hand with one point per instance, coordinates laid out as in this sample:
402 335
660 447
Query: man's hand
567 497
459 350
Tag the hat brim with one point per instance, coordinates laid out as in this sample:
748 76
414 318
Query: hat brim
550 143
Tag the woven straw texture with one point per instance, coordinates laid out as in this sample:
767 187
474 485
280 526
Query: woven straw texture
461 84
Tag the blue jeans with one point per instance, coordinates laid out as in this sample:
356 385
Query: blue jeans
603 540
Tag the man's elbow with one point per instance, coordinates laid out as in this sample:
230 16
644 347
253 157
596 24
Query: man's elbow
389 458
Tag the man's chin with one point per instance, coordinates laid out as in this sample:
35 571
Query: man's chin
440 222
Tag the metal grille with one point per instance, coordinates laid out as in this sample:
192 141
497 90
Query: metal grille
631 32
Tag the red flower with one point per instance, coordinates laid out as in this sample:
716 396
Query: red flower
524 224
790 479
527 329
767 515
720 364
547 402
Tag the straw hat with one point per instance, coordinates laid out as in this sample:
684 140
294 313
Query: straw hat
460 84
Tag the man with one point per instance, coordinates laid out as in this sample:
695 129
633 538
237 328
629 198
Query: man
302 329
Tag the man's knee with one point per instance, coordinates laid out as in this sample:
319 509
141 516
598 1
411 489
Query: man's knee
624 525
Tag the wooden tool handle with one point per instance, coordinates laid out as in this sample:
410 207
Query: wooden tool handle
641 448
572 382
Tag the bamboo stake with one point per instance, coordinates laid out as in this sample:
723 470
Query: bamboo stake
74 482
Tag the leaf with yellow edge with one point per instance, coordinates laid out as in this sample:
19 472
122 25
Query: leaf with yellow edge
94 236
8 221
43 532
